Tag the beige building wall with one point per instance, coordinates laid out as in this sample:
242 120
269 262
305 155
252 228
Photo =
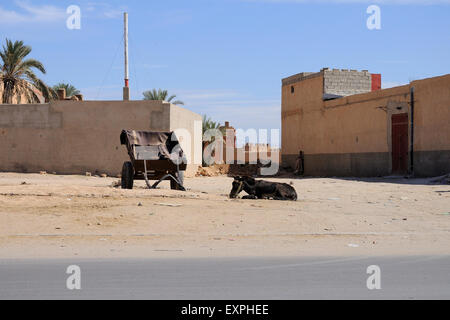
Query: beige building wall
73 137
351 136
188 128
306 100
432 122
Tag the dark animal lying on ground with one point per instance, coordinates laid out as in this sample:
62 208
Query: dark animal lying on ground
260 189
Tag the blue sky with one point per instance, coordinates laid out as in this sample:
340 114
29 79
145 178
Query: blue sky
226 58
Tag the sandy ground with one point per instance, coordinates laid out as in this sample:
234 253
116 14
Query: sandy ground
51 216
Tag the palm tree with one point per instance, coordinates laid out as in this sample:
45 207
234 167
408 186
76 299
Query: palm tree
161 95
17 76
207 124
70 89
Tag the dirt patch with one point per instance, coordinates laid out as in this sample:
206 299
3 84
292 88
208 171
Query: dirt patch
65 216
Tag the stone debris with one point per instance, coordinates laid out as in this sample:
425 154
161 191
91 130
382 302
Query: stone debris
213 171
116 184
202 172
168 204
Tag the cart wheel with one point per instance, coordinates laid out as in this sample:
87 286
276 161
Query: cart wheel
174 185
127 175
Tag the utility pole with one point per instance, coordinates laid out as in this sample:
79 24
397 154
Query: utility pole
126 88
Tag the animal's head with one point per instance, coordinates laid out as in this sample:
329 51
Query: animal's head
249 180
239 185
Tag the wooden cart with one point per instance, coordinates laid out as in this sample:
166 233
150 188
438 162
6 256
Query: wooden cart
154 156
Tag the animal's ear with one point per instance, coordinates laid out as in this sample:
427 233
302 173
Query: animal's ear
249 180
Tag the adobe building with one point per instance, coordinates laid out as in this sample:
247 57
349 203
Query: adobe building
347 126
74 137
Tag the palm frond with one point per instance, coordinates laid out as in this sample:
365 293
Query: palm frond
31 63
161 95
177 102
17 76
208 124
70 89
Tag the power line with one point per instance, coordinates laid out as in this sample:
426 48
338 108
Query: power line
133 58
110 67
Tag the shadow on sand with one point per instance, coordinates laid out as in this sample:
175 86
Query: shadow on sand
442 180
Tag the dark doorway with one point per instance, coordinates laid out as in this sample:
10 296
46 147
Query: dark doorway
400 143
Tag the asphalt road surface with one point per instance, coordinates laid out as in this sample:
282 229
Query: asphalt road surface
238 278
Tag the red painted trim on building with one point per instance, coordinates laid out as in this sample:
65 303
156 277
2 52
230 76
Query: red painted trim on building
376 81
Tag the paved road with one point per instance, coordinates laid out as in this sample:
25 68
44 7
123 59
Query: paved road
239 278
